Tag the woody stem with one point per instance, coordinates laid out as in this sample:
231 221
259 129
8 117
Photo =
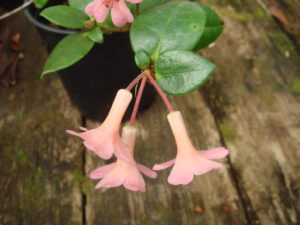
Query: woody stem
137 101
161 93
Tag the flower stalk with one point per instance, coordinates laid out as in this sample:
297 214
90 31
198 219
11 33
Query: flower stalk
161 93
138 100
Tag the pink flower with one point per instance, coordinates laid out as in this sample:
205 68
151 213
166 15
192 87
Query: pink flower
105 139
189 161
120 172
119 11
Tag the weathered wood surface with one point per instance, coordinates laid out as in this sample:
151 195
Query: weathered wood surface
40 167
255 99
251 105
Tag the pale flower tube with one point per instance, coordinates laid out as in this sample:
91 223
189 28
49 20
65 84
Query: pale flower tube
188 161
121 172
105 139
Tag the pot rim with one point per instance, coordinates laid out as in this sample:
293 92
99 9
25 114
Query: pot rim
33 20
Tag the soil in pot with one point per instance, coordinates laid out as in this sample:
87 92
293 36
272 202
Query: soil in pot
93 82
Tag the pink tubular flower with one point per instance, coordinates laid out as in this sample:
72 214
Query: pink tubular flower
189 161
120 172
119 11
105 139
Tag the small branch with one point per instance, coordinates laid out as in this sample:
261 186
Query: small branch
131 85
137 9
124 29
137 101
16 10
161 93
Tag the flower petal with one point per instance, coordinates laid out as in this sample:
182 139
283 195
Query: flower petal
122 151
75 133
83 129
89 9
147 171
104 149
134 180
164 165
113 179
202 165
121 14
181 173
134 1
101 13
216 153
100 172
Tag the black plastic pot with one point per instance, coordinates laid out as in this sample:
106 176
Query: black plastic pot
10 4
93 82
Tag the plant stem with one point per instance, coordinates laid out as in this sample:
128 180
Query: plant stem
137 11
131 85
16 10
161 93
125 29
137 101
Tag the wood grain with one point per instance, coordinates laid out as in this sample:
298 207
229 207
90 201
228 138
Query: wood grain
40 166
256 105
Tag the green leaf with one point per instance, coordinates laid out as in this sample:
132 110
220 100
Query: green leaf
213 28
80 4
142 60
176 25
67 52
65 16
145 5
96 35
180 72
40 3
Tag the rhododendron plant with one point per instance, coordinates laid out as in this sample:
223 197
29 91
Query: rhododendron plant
165 37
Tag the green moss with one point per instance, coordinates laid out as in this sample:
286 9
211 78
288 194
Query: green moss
294 86
19 155
227 132
83 181
283 42
34 194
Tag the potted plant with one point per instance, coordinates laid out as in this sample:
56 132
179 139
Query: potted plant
92 96
164 36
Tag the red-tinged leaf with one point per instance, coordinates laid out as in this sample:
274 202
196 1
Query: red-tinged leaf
15 42
279 14
9 76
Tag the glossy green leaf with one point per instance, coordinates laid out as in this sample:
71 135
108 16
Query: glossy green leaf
96 35
180 72
40 3
145 5
67 52
168 27
65 16
142 60
213 28
80 4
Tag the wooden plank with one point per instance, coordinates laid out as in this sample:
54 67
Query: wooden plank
287 14
255 99
162 203
40 166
